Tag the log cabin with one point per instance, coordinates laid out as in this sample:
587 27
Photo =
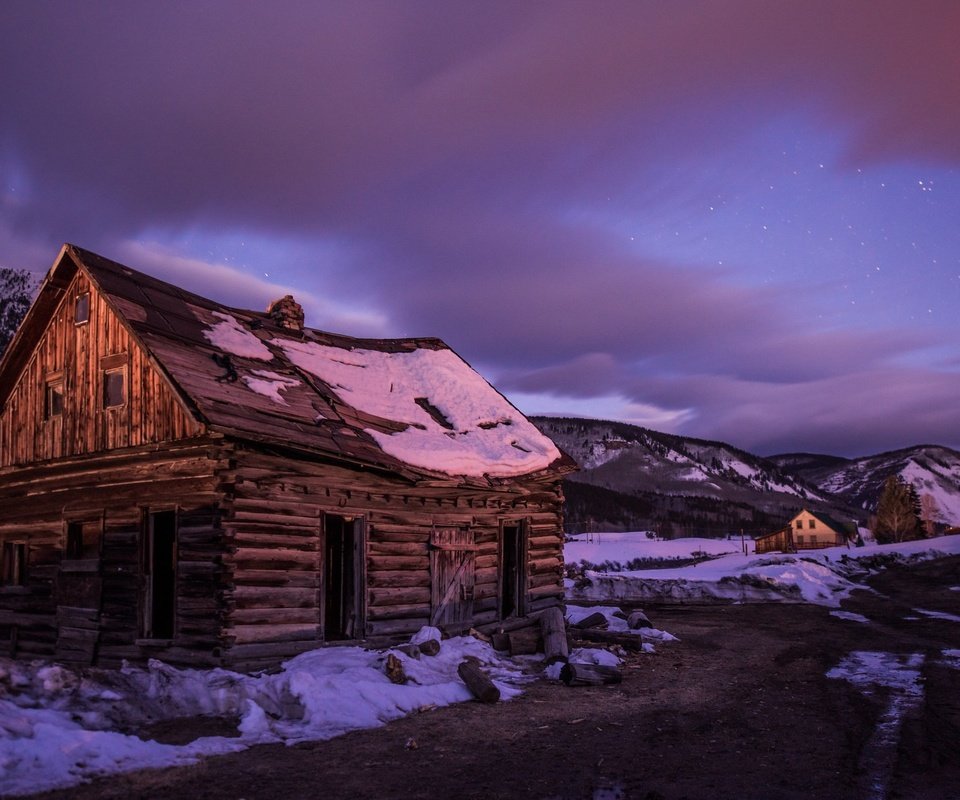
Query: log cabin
212 486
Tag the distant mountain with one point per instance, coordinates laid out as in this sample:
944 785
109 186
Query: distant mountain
931 469
633 478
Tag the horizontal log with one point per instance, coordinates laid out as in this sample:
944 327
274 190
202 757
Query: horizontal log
245 634
410 610
398 578
271 616
417 595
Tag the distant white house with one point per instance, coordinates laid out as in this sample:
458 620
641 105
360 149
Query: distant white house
813 530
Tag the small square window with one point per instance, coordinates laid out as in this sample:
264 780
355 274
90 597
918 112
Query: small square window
53 403
113 388
81 312
83 540
799 524
799 540
811 524
14 564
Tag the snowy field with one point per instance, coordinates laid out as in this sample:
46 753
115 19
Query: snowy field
622 548
58 728
824 576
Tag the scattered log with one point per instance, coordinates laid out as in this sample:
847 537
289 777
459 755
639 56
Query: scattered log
595 620
478 635
638 619
430 647
478 682
525 642
411 650
500 641
628 641
394 669
554 632
589 674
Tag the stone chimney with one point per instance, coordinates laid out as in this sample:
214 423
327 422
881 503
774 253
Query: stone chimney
287 313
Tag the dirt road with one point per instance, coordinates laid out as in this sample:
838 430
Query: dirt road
740 708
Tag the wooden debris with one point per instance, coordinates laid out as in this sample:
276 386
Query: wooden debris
478 635
478 682
500 641
430 647
595 620
394 669
638 619
525 642
411 650
554 632
589 674
628 641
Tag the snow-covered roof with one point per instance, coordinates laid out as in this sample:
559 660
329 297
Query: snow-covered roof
407 405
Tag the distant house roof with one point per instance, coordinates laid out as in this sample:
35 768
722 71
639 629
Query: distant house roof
407 405
830 522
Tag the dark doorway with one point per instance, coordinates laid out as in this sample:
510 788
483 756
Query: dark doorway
511 571
160 575
341 577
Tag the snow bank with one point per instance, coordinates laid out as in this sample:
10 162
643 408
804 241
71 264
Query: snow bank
59 728
823 577
622 548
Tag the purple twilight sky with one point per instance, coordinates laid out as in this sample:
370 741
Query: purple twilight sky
736 220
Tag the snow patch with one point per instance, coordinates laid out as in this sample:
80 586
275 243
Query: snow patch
231 337
269 384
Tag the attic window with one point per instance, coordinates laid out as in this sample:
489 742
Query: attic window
811 524
113 387
53 398
81 312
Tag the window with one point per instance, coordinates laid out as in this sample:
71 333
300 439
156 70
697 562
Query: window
113 388
799 540
811 524
799 524
14 563
53 400
81 311
83 540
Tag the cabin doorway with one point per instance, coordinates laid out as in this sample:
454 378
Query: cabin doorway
342 567
511 570
452 578
160 575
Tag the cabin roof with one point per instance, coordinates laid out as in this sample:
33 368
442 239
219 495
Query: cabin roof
410 406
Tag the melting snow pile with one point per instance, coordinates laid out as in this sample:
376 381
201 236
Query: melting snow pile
824 576
59 728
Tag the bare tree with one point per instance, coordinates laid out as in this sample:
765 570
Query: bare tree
898 512
929 514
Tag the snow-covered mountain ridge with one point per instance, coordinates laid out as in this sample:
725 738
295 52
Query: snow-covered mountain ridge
632 477
675 484
930 469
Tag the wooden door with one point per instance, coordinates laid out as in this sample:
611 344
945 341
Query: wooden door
452 555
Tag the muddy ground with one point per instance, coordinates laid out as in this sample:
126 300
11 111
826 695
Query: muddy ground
740 707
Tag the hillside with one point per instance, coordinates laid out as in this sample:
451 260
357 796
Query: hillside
633 478
931 469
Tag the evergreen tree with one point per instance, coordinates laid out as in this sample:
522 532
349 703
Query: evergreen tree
898 512
16 286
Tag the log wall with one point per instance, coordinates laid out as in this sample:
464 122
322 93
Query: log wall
274 521
89 611
74 353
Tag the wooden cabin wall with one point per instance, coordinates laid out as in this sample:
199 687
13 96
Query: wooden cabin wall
273 526
50 617
151 413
